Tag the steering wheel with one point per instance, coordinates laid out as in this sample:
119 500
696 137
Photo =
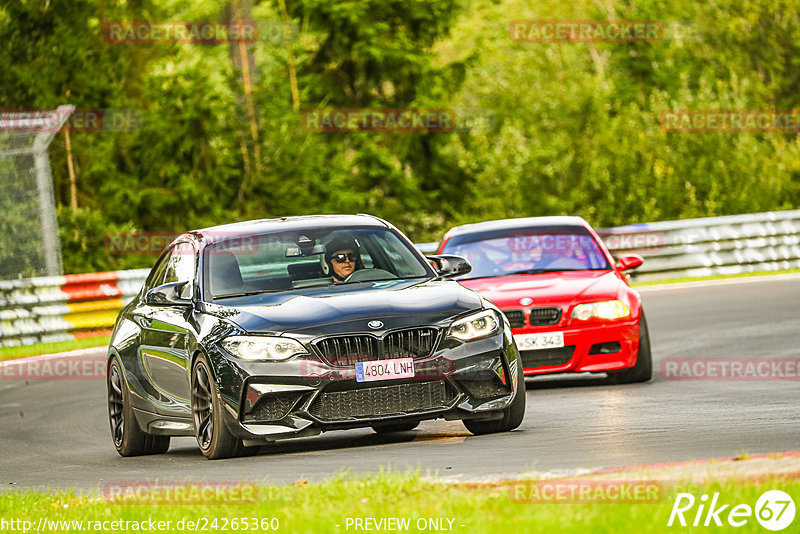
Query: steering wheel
366 275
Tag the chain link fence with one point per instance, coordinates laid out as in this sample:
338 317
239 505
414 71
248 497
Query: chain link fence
29 243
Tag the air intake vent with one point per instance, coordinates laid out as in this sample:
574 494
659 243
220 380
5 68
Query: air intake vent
366 403
272 408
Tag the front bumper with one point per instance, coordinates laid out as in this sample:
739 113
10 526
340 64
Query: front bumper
307 395
587 348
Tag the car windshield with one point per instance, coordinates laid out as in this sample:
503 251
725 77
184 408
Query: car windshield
284 261
528 251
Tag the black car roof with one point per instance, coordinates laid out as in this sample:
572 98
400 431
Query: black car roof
300 222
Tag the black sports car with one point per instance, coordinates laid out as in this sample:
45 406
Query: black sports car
257 331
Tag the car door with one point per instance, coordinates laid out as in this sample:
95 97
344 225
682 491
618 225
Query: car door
165 329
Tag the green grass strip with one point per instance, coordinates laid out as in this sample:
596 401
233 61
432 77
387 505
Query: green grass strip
714 277
23 351
334 506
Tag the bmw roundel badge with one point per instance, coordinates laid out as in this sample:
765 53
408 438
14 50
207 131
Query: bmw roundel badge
375 324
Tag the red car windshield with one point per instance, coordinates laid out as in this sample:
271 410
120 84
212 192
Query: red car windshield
528 251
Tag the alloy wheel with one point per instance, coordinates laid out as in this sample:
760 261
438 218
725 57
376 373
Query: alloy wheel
202 406
115 410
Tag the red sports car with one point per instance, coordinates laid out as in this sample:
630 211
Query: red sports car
569 303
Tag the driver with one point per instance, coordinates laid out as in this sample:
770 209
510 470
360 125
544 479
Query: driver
343 258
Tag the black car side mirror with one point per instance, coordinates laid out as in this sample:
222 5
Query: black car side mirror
450 266
167 295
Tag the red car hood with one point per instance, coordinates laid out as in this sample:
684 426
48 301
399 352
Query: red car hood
562 288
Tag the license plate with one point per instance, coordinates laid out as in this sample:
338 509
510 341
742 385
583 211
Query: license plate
545 340
385 370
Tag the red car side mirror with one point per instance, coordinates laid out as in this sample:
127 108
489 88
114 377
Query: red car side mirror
629 261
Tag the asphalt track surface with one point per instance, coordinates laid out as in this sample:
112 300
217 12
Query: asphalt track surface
56 433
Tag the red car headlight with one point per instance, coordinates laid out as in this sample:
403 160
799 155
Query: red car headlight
608 310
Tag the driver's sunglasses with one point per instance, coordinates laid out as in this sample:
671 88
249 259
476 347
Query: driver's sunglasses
341 258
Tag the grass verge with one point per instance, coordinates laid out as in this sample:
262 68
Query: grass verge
11 353
333 506
715 277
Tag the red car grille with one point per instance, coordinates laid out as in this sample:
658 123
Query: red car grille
546 357
516 318
545 316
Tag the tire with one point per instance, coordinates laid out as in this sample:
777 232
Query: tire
642 371
386 428
128 438
512 416
213 437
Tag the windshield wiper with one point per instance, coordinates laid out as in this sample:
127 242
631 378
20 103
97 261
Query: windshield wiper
242 294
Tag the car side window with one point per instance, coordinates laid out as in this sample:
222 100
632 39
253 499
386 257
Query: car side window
156 276
180 267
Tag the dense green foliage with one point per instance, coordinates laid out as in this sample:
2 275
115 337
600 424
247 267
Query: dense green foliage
576 126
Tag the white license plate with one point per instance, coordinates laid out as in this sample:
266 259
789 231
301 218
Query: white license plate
545 340
385 370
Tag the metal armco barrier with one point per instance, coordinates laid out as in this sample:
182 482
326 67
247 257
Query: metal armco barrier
732 244
57 308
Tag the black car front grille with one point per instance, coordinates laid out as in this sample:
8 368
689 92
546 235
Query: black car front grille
416 343
516 318
546 357
365 403
545 316
348 350
345 351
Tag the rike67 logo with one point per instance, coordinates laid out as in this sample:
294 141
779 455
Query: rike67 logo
774 510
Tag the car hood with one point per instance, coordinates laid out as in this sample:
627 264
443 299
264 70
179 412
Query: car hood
560 288
348 308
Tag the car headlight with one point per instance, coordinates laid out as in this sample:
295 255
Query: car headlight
606 309
475 326
263 347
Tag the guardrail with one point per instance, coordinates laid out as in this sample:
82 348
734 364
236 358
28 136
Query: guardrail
732 244
56 308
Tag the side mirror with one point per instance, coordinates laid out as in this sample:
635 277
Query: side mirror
167 295
450 266
629 261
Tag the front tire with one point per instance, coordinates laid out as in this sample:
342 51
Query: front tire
213 437
129 439
512 416
642 371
